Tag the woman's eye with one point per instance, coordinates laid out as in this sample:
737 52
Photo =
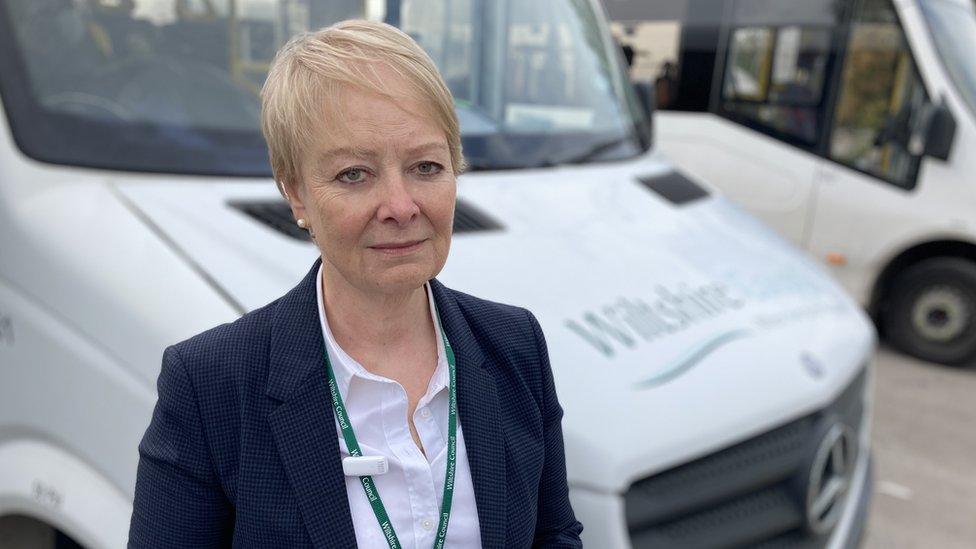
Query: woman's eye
429 168
352 175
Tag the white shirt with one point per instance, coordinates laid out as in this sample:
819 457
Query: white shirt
413 488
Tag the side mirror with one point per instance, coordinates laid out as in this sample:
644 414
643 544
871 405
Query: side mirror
934 132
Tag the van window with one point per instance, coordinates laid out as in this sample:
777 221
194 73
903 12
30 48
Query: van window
750 58
880 95
173 87
776 65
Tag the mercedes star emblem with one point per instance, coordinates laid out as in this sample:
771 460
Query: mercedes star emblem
830 477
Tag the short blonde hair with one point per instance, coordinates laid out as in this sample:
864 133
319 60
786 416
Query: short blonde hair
310 69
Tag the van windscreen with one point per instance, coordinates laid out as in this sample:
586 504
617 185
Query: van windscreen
953 28
172 86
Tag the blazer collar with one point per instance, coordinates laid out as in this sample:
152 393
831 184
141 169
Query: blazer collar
296 338
297 348
304 425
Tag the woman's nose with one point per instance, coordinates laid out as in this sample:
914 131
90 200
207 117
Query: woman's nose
398 203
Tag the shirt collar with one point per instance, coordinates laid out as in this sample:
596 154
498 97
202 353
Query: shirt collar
344 367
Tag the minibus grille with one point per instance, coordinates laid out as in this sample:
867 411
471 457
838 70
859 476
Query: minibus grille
276 215
752 494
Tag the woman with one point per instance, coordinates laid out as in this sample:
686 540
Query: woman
369 405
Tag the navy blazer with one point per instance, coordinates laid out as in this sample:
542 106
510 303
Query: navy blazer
242 448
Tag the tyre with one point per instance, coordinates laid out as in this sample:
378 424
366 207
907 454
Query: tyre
21 532
931 311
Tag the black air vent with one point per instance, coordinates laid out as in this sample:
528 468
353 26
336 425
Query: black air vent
674 187
276 214
468 219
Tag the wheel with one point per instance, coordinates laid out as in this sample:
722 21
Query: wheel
931 311
21 532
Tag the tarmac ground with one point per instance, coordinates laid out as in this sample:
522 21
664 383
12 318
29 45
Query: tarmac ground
924 446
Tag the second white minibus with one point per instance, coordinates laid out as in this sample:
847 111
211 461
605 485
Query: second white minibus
848 126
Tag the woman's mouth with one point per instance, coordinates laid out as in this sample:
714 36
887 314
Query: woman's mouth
398 248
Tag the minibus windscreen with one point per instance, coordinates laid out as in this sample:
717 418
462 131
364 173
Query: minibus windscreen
953 28
172 86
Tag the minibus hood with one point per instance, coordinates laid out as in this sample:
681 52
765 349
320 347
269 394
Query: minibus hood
674 328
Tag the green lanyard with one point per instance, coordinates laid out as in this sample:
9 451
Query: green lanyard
369 487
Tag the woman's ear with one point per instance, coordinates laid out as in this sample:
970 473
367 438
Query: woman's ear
294 199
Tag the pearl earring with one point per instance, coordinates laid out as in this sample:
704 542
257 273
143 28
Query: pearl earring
301 222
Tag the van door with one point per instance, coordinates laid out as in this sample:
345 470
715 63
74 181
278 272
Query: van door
879 96
770 92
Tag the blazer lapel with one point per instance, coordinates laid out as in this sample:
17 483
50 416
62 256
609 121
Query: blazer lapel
479 415
303 424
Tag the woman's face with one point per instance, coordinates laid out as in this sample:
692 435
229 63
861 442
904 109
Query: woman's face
378 191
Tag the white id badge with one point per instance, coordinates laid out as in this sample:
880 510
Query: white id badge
364 466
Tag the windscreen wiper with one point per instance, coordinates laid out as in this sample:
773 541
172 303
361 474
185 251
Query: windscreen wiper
588 154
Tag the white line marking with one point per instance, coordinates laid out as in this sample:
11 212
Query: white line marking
895 490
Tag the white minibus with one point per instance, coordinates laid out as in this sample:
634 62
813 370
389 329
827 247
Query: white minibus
848 126
716 382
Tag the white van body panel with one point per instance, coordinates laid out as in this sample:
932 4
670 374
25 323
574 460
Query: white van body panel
89 297
774 183
565 230
68 231
576 241
44 481
595 228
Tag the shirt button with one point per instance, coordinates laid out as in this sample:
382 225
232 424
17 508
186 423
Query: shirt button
427 524
425 412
